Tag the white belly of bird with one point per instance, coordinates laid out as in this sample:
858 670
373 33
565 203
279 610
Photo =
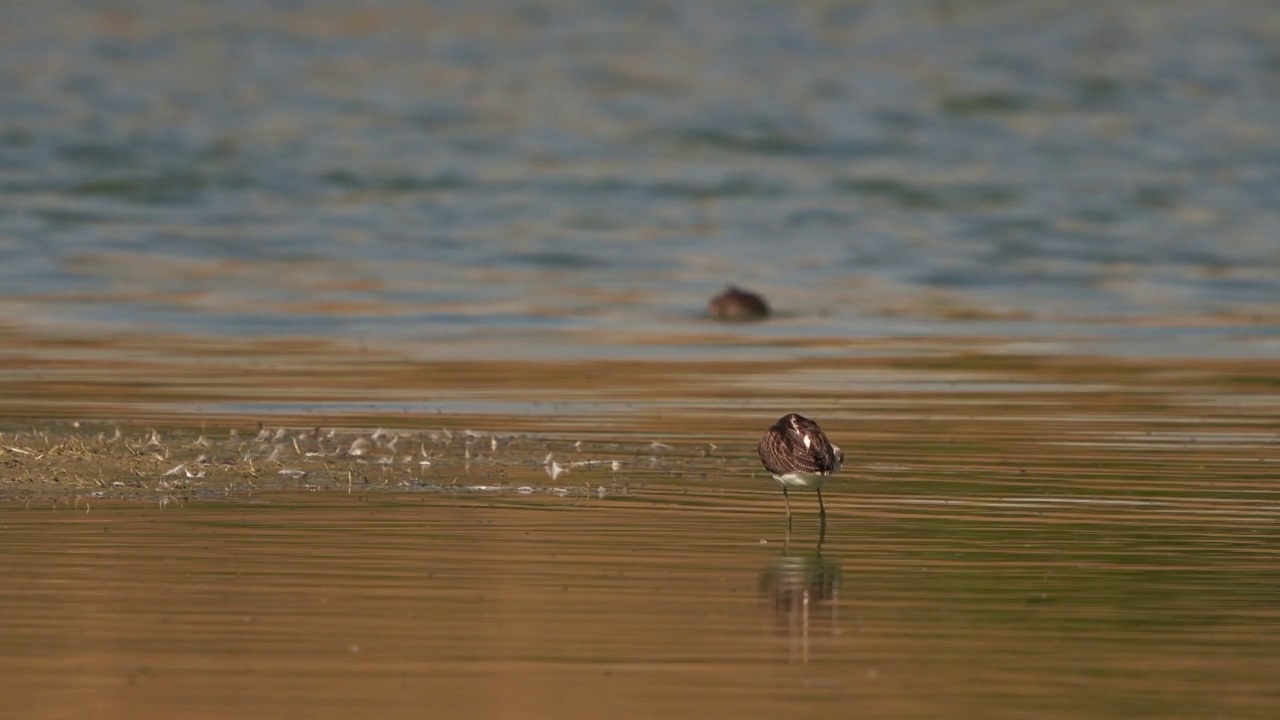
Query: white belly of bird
812 481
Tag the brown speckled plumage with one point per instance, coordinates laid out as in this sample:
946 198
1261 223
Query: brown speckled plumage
798 454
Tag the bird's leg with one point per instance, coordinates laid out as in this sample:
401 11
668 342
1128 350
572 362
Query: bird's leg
787 499
822 522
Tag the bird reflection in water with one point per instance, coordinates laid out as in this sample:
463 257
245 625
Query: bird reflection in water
803 590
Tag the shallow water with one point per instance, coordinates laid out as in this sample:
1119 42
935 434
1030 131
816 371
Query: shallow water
1024 256
672 599
1105 547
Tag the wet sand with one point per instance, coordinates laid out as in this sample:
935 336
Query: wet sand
203 425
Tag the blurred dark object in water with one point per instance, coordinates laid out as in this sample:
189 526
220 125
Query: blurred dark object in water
737 304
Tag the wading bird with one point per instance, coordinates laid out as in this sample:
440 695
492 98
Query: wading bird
799 455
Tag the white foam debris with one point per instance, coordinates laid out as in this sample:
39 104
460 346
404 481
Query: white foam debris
292 472
525 490
359 446
173 470
655 445
614 465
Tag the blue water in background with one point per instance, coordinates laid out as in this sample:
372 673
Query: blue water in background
573 179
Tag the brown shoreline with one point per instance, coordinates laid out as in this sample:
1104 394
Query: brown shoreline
112 462
940 407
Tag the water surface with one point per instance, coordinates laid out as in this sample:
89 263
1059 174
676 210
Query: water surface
668 600
1024 256
574 180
